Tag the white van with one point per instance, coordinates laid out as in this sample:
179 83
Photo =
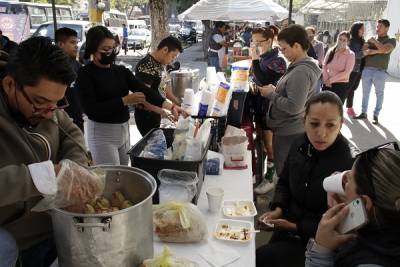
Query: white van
137 24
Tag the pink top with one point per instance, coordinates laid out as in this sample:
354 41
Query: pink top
340 67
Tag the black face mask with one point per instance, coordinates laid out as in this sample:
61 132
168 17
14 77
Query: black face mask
107 58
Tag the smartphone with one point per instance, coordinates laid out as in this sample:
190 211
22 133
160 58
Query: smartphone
355 219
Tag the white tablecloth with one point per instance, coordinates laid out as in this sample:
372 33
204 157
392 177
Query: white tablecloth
237 185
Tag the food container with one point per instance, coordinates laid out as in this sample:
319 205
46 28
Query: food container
183 79
234 231
120 238
239 209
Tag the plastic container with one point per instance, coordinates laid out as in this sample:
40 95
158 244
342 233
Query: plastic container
177 185
236 108
153 166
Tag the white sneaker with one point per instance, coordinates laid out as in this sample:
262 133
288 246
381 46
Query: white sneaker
264 187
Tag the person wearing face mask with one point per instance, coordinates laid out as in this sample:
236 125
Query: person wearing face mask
151 70
36 136
106 90
337 67
298 202
287 99
374 178
268 67
67 40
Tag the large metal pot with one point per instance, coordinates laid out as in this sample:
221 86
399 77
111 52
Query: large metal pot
183 79
121 238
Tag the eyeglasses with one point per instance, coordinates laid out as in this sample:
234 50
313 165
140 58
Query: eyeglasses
259 42
367 157
62 104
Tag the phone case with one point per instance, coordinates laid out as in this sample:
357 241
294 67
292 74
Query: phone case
355 219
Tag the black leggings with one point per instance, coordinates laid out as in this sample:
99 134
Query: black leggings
338 88
283 250
354 81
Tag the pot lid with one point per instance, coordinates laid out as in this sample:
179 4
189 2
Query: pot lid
184 72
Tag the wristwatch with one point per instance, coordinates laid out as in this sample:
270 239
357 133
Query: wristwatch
313 246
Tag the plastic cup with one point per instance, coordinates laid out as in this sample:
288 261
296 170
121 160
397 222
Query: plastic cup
334 183
214 197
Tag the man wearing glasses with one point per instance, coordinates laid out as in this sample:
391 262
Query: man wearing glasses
36 135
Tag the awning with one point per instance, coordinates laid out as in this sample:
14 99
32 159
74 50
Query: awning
235 10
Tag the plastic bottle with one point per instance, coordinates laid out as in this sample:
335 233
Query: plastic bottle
221 98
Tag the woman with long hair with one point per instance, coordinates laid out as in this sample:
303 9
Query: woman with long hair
338 64
356 45
374 179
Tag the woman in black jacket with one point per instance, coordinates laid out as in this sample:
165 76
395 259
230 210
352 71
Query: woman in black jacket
356 45
300 199
268 67
106 91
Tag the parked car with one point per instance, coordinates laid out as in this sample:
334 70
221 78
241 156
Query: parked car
188 35
139 38
174 29
81 27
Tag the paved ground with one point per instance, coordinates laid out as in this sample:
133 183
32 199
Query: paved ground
361 132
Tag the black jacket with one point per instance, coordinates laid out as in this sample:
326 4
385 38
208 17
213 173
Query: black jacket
373 245
299 191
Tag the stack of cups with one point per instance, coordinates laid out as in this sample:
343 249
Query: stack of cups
215 196
188 100
212 78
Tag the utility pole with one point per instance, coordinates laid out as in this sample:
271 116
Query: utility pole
290 11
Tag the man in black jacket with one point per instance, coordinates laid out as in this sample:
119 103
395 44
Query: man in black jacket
67 40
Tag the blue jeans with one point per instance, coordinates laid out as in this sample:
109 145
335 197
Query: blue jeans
214 62
8 249
377 77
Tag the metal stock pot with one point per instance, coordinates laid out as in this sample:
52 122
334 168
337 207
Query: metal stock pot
121 238
183 79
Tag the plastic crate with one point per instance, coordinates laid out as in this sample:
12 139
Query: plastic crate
236 108
153 166
218 126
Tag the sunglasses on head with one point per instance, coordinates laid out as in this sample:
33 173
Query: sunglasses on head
368 157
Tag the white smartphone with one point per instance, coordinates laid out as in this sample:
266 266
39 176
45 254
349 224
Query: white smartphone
355 219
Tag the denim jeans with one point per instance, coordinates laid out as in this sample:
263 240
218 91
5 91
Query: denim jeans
8 249
376 77
214 62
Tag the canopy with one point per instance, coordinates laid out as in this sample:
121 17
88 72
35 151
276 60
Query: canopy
235 10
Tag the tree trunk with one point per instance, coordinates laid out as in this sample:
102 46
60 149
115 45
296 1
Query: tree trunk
206 36
159 21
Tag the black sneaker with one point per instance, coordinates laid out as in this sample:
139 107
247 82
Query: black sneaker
362 116
375 120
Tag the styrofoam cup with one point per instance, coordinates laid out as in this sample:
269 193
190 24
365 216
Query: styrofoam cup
214 197
334 183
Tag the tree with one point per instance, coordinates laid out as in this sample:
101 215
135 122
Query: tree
123 5
297 4
159 21
182 5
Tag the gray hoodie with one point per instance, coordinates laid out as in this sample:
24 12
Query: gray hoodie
287 103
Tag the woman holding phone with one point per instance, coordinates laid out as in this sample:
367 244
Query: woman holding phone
374 178
268 67
300 199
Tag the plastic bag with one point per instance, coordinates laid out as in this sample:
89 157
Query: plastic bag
234 146
167 259
179 222
76 185
177 185
156 146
